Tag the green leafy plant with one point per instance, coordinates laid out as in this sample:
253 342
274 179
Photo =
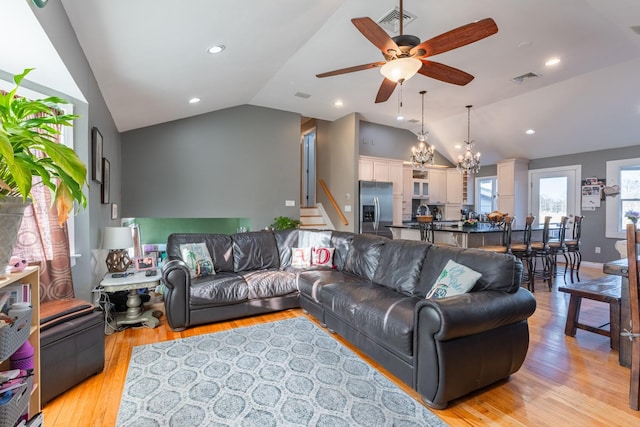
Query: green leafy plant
28 127
285 223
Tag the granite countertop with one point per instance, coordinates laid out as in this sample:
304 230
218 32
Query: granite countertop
452 226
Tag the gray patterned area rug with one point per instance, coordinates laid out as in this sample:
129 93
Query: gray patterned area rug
285 373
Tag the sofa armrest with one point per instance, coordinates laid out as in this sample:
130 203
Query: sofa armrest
177 279
472 313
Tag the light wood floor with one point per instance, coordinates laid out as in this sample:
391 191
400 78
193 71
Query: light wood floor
564 381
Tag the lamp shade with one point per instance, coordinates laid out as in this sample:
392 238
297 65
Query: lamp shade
401 69
117 238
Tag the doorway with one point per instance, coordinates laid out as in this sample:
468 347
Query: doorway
308 169
555 192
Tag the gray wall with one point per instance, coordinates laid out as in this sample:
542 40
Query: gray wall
238 162
391 143
89 222
337 166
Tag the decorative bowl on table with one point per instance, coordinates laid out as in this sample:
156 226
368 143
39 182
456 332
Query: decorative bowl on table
470 223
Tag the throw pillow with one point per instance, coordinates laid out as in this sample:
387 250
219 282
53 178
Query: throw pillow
455 279
301 257
323 257
196 256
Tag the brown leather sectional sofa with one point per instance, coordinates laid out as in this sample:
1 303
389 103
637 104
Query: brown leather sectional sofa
374 296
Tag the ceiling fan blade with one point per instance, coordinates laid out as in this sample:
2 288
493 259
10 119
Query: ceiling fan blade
456 38
386 89
375 34
351 69
444 73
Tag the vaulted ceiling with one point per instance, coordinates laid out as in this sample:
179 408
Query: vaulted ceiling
150 57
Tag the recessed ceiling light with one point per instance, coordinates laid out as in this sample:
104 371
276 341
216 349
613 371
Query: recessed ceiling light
457 146
194 100
216 49
400 117
530 131
338 103
551 62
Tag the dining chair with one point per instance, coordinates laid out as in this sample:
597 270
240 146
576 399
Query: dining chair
524 252
573 248
505 239
541 251
633 237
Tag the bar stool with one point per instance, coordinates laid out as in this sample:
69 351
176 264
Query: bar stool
505 240
540 251
425 223
573 247
557 247
524 252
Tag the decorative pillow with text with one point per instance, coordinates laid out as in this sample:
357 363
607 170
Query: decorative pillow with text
301 257
455 279
323 257
196 256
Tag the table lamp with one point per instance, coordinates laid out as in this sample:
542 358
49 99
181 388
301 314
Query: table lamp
117 240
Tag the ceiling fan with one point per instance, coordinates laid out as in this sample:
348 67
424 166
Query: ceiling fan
405 55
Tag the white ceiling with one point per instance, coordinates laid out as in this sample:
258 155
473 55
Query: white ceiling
149 57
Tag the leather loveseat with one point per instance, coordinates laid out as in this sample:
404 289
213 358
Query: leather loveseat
373 296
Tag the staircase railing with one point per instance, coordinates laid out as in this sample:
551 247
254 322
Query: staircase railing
333 202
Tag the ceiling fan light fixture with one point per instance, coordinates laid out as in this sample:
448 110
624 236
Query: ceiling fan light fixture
401 69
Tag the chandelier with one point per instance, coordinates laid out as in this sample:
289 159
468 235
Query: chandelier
468 163
422 154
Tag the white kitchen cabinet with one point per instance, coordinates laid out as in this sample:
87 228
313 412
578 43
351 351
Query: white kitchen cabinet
395 176
452 211
365 169
420 189
513 194
407 194
380 169
454 186
438 187
397 210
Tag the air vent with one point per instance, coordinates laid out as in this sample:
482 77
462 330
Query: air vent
413 121
302 95
636 29
391 21
525 78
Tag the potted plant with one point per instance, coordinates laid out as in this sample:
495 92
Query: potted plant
27 128
285 223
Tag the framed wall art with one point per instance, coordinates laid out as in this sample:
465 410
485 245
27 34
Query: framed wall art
106 177
96 155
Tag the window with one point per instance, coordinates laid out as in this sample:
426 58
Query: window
626 174
555 192
486 190
629 192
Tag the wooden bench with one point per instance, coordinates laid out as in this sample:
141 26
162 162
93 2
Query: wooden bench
605 289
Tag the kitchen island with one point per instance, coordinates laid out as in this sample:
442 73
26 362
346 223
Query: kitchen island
449 233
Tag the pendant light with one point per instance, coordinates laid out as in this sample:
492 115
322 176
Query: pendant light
468 163
422 155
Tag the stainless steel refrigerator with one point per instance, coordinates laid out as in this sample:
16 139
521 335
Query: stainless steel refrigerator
376 207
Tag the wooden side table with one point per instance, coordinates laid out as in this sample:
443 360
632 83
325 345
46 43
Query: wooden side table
605 289
133 281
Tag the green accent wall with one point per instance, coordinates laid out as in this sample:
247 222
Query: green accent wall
157 230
